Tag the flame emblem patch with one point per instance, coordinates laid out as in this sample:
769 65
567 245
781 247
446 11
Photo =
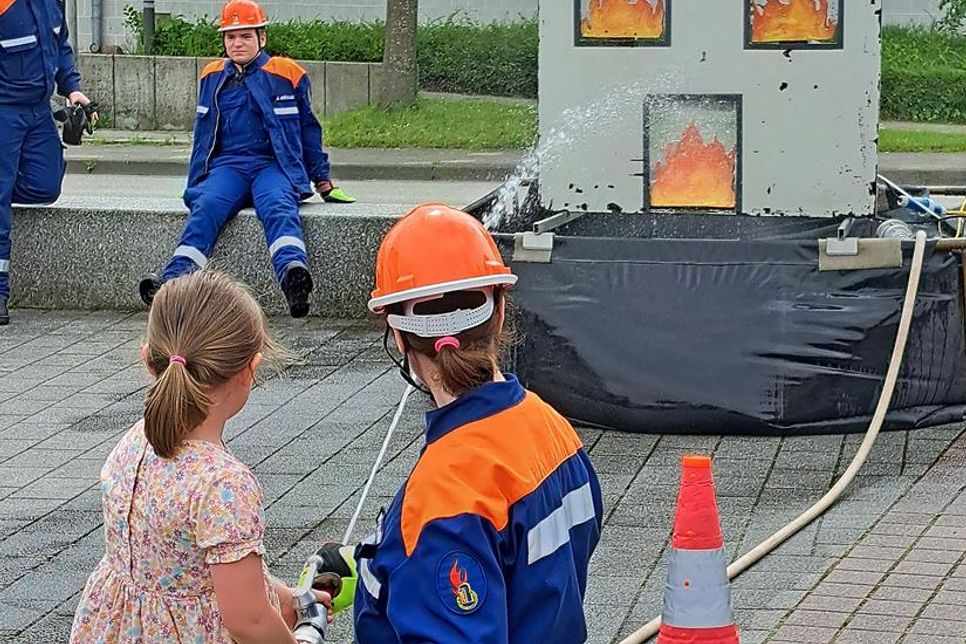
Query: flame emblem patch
460 582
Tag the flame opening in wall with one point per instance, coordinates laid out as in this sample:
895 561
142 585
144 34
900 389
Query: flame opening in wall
694 174
791 21
623 19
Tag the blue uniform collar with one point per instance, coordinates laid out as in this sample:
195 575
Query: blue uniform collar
480 403
255 64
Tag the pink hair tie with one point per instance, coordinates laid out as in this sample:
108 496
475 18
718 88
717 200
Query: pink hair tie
181 361
448 341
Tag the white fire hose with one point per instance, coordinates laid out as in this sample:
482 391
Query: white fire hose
377 463
885 399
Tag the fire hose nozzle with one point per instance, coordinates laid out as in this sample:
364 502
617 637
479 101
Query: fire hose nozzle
311 618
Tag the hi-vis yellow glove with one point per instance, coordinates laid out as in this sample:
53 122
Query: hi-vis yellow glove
337 575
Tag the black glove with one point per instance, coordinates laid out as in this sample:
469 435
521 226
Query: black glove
77 119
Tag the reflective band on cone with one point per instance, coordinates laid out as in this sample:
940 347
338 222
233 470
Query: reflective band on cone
697 598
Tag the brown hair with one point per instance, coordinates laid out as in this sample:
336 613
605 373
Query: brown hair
478 357
215 325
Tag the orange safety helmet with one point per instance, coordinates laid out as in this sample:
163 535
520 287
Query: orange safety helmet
433 250
242 14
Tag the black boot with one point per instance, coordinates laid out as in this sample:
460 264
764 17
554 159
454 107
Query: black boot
148 287
297 285
4 314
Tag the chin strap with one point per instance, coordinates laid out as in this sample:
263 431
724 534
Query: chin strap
403 365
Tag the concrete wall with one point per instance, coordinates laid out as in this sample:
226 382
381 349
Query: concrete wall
160 93
901 12
806 136
90 253
361 10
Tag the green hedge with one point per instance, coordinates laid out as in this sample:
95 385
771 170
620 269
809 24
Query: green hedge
923 75
497 59
923 70
930 95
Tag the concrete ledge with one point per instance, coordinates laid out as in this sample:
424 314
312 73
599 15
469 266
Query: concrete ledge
90 253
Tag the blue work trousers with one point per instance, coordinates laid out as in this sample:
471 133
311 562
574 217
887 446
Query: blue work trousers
31 169
233 184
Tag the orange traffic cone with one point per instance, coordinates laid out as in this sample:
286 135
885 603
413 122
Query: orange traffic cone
697 599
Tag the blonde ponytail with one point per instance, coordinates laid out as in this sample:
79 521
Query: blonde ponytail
203 329
175 404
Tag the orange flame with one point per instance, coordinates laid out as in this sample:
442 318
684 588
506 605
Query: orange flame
457 577
694 174
622 19
791 21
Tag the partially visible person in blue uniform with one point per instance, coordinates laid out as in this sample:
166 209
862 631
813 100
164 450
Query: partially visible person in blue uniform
490 537
256 142
35 60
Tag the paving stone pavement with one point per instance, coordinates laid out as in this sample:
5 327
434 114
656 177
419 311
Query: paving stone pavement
905 579
70 385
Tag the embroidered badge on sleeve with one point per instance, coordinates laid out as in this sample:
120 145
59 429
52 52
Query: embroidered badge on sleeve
460 583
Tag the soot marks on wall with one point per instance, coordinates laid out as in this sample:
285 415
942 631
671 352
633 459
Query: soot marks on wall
808 118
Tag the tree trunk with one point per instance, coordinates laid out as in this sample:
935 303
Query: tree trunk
399 59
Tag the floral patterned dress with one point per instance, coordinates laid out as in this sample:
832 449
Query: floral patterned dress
165 522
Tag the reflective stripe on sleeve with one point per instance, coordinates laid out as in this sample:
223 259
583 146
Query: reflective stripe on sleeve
554 531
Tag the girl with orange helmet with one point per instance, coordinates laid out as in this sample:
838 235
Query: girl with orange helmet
490 537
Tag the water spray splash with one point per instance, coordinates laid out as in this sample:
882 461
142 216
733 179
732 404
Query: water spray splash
573 127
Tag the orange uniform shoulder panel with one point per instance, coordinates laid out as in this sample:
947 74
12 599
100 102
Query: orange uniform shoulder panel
286 68
213 67
484 467
4 5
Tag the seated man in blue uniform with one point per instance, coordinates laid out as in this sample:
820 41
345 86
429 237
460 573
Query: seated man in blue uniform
256 142
35 59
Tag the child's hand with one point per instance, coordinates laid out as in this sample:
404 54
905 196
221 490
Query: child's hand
325 599
286 601
286 596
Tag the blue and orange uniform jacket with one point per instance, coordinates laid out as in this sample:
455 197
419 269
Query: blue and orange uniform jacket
490 538
283 93
35 53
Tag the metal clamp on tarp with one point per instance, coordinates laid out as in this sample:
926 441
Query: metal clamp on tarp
557 220
842 245
535 248
869 253
845 253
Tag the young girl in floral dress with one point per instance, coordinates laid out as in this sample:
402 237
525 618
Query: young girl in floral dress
183 516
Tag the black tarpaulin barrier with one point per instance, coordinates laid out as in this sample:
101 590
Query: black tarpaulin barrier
728 336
